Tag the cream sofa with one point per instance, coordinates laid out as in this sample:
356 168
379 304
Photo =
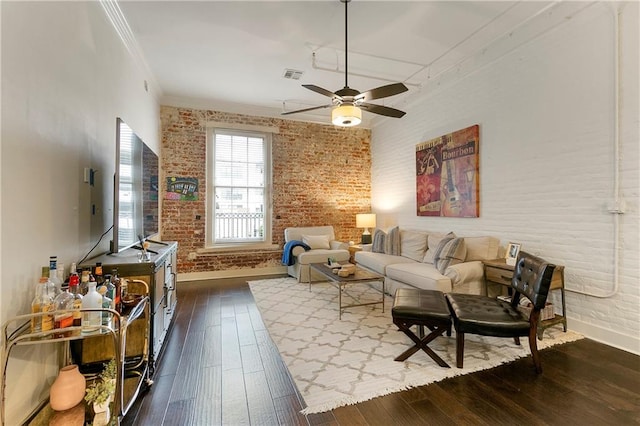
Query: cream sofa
319 252
415 265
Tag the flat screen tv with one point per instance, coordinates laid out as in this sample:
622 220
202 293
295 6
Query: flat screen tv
135 207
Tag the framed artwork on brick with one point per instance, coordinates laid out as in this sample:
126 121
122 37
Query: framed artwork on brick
447 175
182 188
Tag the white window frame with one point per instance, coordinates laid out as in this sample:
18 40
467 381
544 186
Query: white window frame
251 131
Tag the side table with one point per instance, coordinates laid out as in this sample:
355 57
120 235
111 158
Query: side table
352 252
497 271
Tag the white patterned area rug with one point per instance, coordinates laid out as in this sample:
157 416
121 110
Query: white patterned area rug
340 362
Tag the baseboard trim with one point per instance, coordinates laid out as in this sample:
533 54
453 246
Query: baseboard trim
231 273
606 336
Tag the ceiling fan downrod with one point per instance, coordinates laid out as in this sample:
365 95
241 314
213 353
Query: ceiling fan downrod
346 61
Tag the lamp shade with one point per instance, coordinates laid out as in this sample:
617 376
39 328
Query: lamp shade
346 116
366 220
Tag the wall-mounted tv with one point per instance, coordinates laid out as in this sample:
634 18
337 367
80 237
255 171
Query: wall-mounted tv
135 206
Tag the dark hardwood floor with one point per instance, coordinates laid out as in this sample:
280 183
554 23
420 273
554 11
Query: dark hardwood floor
220 367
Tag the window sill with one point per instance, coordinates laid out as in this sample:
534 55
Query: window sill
238 248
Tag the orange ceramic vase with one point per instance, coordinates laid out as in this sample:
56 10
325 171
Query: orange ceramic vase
68 389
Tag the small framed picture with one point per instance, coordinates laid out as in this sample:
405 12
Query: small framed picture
512 253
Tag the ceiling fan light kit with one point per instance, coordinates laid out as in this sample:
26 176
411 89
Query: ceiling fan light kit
346 116
348 103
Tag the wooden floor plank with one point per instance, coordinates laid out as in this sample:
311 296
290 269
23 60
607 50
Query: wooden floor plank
230 348
288 411
261 408
246 334
234 398
189 369
349 415
220 367
180 413
428 413
151 408
208 401
278 376
399 410
212 347
251 360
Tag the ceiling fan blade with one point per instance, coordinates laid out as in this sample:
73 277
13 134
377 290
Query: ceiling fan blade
382 92
318 89
383 110
306 109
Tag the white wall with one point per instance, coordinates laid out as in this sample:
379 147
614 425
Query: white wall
66 76
546 116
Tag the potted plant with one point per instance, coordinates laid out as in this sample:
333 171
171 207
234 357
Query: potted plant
101 391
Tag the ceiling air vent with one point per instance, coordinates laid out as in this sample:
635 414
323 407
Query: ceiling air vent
292 74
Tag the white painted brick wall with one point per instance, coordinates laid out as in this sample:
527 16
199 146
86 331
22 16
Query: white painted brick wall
546 112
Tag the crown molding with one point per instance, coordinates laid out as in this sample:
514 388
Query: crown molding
122 28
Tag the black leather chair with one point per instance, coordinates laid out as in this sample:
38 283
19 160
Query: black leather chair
492 317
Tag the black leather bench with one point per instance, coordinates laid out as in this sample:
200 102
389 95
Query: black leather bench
422 308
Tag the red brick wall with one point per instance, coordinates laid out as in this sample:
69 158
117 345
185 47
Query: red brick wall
321 176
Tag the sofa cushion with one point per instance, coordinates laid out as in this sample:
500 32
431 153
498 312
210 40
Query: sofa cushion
413 244
433 241
452 252
419 275
378 262
297 233
322 255
316 241
481 248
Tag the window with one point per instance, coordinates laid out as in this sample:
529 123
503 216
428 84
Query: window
239 171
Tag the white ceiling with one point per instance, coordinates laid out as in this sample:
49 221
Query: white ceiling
233 54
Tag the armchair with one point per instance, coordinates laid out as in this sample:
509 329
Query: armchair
487 316
322 243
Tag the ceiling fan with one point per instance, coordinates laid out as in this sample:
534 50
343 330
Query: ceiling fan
348 102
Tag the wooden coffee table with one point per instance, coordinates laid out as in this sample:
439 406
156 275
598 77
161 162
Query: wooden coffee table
362 276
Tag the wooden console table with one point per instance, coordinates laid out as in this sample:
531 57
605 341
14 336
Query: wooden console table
497 271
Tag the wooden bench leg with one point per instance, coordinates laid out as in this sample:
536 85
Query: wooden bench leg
459 349
421 343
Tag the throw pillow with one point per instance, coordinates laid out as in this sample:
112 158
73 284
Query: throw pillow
413 244
433 240
392 242
378 239
481 248
452 252
316 241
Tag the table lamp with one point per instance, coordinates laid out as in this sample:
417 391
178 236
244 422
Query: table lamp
366 221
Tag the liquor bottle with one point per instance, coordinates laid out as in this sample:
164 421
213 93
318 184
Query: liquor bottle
73 269
84 282
63 302
116 282
124 286
50 286
91 321
42 302
74 281
107 303
97 272
53 275
111 290
60 273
